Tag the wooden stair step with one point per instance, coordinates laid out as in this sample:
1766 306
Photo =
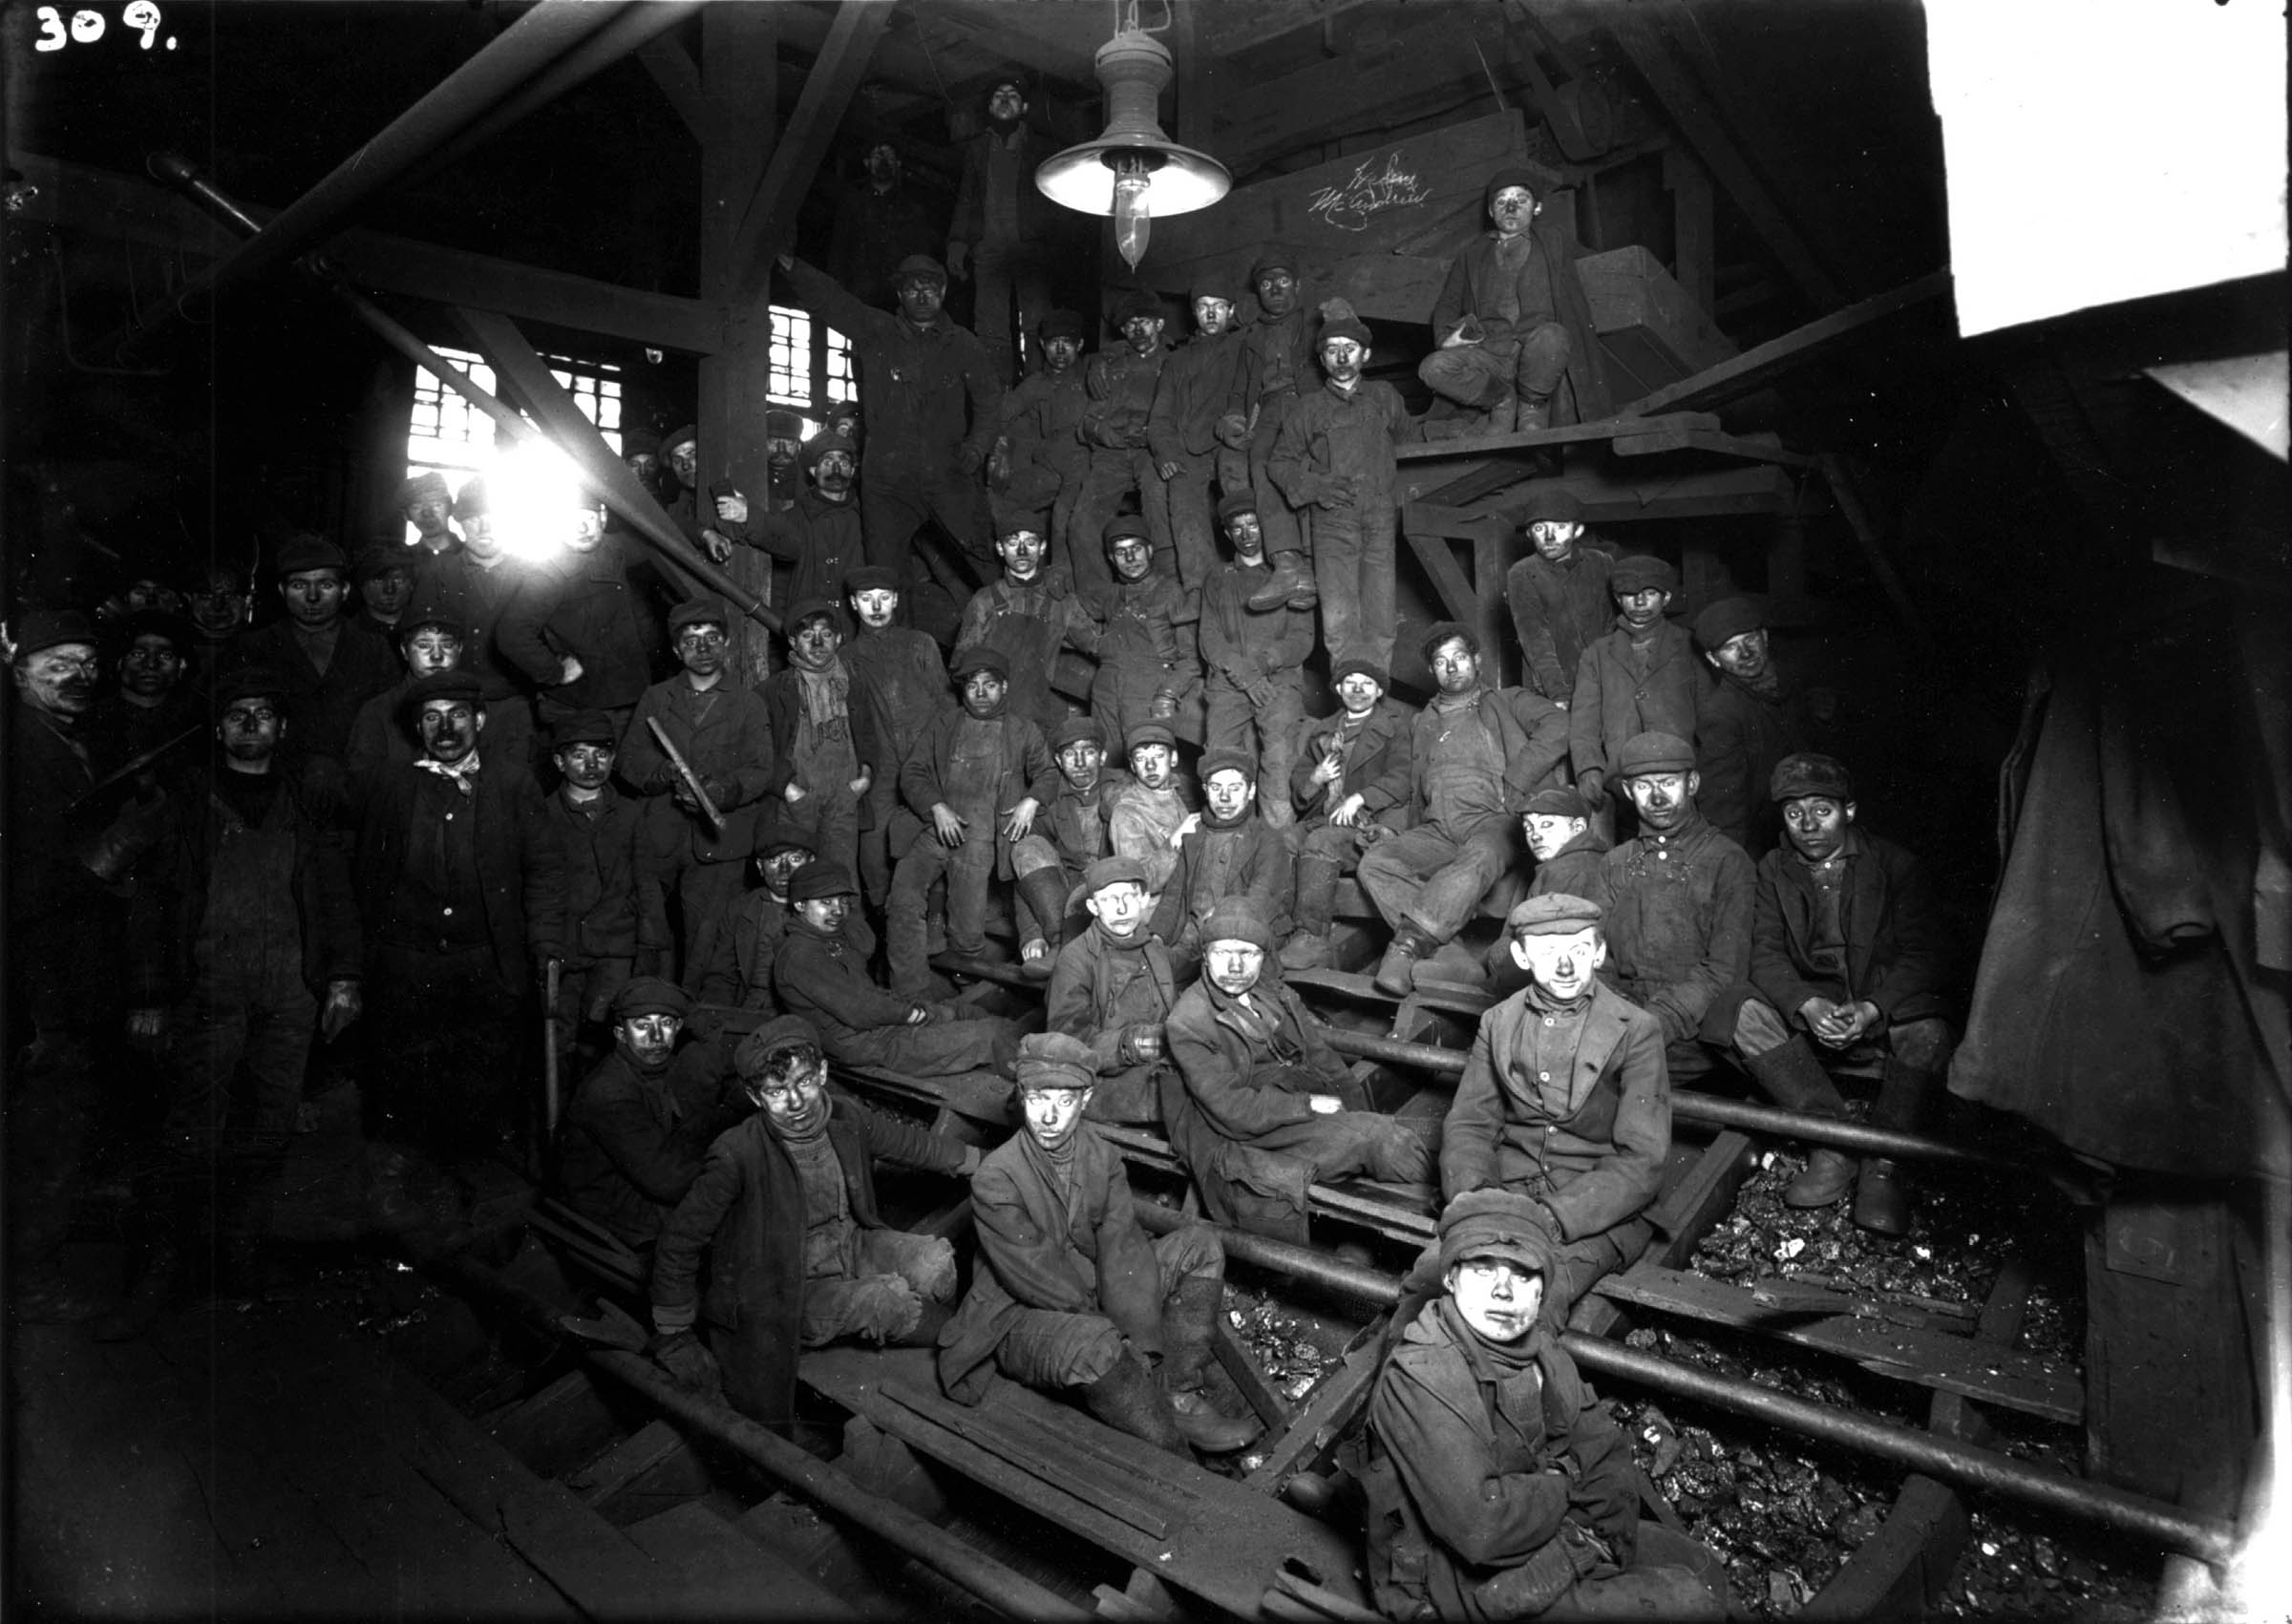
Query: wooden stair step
710 1570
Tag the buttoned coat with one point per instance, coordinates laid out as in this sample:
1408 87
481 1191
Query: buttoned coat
1612 702
1678 924
590 605
1254 859
630 1146
1531 731
1102 988
1897 953
727 741
613 903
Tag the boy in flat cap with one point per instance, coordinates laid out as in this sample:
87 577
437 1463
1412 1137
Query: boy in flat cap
1566 848
154 701
428 638
1497 1488
977 778
581 628
1350 787
383 575
1028 616
616 919
1256 682
900 678
1003 230
740 976
825 752
1559 591
331 664
476 584
1265 1108
821 975
633 1134
1753 715
1039 460
1640 678
1182 431
1068 1294
1279 358
1334 457
1121 384
1113 989
1148 668
933 401
1565 1099
1678 896
724 733
1070 834
1850 967
1512 324
426 502
1475 755
799 1255
713 524
1147 813
818 533
1228 852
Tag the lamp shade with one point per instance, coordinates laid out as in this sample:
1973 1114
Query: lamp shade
1133 67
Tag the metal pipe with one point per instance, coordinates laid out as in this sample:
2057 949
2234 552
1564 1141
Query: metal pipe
1001 1588
1297 1262
546 32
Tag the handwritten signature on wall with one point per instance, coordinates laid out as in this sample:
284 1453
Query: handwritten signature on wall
1349 207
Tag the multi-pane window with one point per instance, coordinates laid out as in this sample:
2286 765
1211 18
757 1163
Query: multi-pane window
450 436
808 363
842 382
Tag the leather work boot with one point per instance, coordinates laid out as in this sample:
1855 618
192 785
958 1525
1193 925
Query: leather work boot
1308 948
1396 971
1534 414
1189 1320
1129 1398
1882 1198
1045 892
1905 1095
1794 1079
1501 416
1290 589
1826 1177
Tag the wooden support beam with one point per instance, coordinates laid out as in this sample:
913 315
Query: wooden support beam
1612 497
1456 594
1752 448
678 76
1844 485
1756 367
1535 440
1694 253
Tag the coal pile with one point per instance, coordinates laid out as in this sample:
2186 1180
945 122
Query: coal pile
1294 1349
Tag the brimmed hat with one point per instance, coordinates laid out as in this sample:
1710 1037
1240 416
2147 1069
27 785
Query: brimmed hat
1215 284
1214 762
1555 913
1361 665
1237 918
1273 259
380 557
777 834
249 682
1121 525
1236 502
870 578
1149 733
816 449
650 995
1494 1222
699 612
584 727
1729 618
1052 1060
1637 572
1806 773
1061 323
1134 302
1654 752
431 606
1076 730
1514 175
776 1037
1555 803
154 622
917 266
1338 321
304 551
1444 631
440 685
804 608
782 424
1115 870
980 657
824 877
678 436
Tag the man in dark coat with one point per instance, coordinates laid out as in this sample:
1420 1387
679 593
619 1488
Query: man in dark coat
1559 592
1230 852
1640 678
1498 1488
616 922
156 701
1121 384
877 225
819 536
826 754
331 664
1149 669
1512 324
633 1134
1069 1293
901 679
1475 755
749 946
1565 1099
477 581
933 401
383 575
1254 659
1753 716
1039 460
1113 988
1849 967
1262 1107
429 639
579 628
1350 787
1278 366
1001 235
1028 615
425 501
1070 834
1181 434
798 1253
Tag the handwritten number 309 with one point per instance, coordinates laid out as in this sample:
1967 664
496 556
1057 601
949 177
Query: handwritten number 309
86 25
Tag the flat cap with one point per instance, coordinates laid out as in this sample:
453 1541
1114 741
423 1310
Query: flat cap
441 684
1806 773
782 424
980 657
699 612
1273 259
1123 524
1076 730
1361 665
1236 502
1114 871
1214 762
1061 323
154 622
584 727
304 551
776 1037
1216 284
380 557
1550 502
918 267
682 435
1237 918
650 995
431 606
635 441
822 877
1555 913
1136 302
777 833
416 487
1555 803
1052 1060
871 577
1494 1222
1150 733
806 608
1729 618
471 500
817 448
1514 175
1654 752
1444 631
1637 572
251 682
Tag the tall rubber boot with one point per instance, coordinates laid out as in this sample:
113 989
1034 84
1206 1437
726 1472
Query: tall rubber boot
1532 414
1290 589
1130 1400
1045 892
1793 1078
1883 1195
1189 1320
1396 971
1309 945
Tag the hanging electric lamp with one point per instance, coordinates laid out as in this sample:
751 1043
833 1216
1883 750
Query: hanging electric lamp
1133 171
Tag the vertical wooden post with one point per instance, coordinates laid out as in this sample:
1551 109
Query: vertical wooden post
1694 263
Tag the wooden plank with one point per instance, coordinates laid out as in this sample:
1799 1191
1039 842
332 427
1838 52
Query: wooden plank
712 1570
1535 440
1037 1453
1335 1405
1236 1361
1694 256
1927 1359
678 77
1625 496
1839 472
1753 448
1762 364
1456 593
652 1448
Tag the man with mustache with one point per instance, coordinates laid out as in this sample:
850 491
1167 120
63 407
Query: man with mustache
818 534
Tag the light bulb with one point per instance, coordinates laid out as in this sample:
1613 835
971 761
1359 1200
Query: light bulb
1134 220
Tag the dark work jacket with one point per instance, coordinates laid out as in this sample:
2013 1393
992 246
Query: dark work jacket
1741 736
479 597
1122 385
1238 1085
1078 1252
1239 646
1198 379
521 864
613 903
740 973
1376 764
630 1146
900 678
1028 770
1028 624
1471 286
1277 354
747 1209
320 707
1678 922
1531 731
1456 1495
1102 988
1897 953
1252 860
1075 820
590 605
1038 213
1328 434
783 696
1612 703
728 743
1589 1145
825 979
914 384
1558 611
821 538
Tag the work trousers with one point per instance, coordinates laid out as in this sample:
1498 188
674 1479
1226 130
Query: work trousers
957 1039
1336 843
878 860
831 817
1529 366
1672 1576
968 870
1001 272
1238 722
1427 877
1353 572
1113 473
442 1066
585 997
1353 1142
1193 519
1035 855
1922 1047
1047 1348
706 893
895 504
1284 529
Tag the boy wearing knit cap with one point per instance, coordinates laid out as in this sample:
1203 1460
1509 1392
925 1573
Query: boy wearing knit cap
713 524
1182 431
1069 1296
1497 1488
331 663
428 638
977 778
616 923
1228 852
1334 460
1146 815
1029 615
1148 668
1753 715
825 749
1267 1108
1640 678
1121 384
633 1134
1256 683
1350 787
1559 591
900 678
1113 988
1039 460
799 1255
1069 836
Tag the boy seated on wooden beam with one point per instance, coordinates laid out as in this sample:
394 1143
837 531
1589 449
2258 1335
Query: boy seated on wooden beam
1113 988
1068 1293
